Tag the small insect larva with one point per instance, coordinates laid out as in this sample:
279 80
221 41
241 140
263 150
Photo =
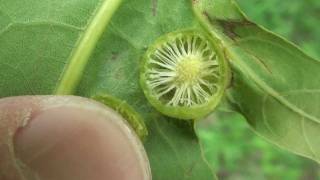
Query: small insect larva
183 74
126 111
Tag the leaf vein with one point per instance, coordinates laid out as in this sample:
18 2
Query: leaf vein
306 138
263 85
167 139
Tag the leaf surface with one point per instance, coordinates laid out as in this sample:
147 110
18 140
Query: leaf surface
45 48
36 41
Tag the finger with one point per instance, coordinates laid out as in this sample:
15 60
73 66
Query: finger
66 138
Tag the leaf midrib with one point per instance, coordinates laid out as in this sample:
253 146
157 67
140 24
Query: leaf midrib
80 55
265 87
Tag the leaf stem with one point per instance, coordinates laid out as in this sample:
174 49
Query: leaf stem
85 46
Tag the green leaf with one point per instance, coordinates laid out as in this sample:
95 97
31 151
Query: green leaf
48 47
174 151
45 45
275 85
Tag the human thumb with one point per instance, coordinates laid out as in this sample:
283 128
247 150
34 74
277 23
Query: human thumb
67 138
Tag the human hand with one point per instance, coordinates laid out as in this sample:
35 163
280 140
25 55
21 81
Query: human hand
67 138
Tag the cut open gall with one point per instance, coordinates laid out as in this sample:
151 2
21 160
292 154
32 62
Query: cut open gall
184 74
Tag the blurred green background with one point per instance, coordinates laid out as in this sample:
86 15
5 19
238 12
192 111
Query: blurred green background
230 146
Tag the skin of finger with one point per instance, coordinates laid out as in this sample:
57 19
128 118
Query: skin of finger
14 114
96 143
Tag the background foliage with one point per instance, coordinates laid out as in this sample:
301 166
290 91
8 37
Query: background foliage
233 149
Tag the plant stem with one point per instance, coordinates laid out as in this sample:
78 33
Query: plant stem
85 46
